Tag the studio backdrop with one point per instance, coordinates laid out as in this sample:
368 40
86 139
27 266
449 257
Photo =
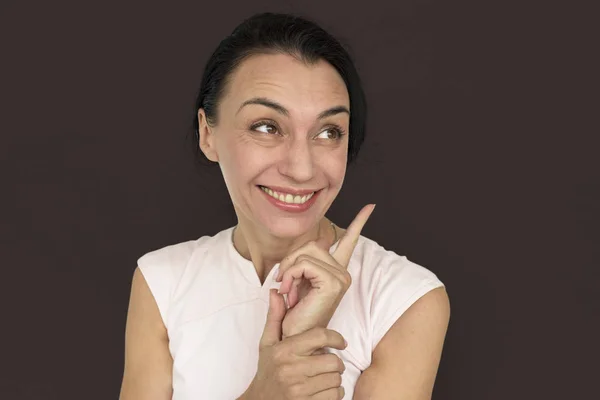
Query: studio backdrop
479 166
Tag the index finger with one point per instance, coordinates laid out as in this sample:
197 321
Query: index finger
348 242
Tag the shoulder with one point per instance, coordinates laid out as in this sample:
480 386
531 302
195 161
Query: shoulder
164 268
176 255
371 261
388 284
172 252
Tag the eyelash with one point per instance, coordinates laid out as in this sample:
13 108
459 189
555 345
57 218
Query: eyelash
339 131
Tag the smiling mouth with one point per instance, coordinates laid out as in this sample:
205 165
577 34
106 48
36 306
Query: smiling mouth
287 197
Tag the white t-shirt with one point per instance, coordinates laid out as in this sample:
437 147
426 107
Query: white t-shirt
214 308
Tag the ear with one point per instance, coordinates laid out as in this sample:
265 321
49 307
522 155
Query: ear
207 140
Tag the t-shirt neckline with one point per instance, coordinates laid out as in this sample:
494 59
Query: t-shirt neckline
248 266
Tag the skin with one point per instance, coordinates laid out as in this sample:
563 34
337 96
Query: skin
297 150
298 153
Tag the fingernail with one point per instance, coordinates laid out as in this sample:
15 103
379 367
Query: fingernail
345 343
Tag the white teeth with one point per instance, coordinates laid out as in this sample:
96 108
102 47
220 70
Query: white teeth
287 198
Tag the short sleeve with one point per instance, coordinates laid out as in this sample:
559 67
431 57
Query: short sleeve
162 270
399 284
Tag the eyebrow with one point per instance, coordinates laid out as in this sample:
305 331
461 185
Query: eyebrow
263 101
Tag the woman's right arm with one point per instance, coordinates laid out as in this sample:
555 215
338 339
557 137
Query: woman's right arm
148 363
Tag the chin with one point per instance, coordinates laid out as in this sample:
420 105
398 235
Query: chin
290 227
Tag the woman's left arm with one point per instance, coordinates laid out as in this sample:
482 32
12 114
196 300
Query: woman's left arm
405 361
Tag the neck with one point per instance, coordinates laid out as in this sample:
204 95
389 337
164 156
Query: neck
265 250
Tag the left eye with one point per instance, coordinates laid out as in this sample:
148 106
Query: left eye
332 131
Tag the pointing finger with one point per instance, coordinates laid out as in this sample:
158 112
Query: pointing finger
348 242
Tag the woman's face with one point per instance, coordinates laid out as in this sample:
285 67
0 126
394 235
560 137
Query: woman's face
279 126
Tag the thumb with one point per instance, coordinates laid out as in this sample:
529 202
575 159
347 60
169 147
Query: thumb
272 332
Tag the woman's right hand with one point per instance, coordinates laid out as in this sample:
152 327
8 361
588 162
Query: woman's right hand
287 369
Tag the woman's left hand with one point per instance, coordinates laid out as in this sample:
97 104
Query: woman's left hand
315 281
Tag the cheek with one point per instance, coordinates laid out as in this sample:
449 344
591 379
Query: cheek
337 174
333 166
237 163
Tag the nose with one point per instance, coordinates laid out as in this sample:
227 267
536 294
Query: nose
297 160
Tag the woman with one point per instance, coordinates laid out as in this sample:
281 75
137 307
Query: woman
282 112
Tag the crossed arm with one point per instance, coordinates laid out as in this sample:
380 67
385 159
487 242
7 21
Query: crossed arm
404 363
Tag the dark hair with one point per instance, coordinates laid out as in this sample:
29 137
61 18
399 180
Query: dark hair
267 33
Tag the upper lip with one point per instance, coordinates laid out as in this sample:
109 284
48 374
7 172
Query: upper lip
299 192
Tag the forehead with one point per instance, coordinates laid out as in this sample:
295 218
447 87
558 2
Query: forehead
285 79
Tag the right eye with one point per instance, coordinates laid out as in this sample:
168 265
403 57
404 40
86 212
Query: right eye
267 127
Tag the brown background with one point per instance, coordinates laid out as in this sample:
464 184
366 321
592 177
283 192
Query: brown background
479 155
